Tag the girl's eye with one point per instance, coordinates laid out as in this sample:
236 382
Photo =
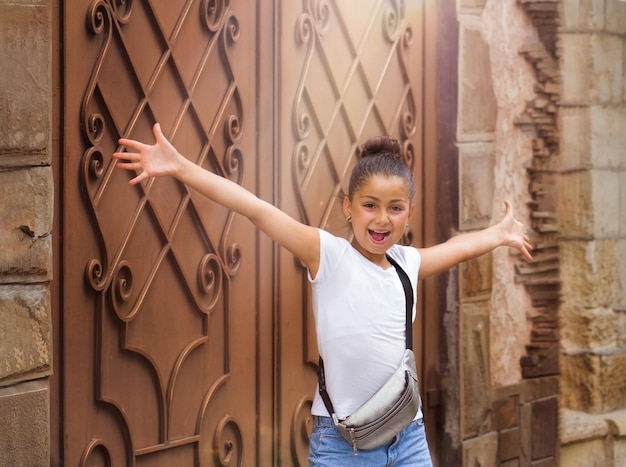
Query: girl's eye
369 205
397 208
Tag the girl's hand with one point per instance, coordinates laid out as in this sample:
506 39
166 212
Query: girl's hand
513 233
152 161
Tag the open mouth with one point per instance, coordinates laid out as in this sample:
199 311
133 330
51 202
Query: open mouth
378 236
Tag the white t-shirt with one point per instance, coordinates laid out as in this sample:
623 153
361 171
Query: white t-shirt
360 314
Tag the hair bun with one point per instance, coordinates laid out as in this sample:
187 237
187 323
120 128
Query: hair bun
381 145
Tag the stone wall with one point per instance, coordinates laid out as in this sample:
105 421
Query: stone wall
26 215
592 214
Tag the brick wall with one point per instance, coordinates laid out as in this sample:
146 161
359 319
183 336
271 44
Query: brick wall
26 208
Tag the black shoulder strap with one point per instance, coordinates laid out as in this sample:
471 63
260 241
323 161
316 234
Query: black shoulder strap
408 337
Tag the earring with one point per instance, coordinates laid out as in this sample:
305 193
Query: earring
349 218
406 225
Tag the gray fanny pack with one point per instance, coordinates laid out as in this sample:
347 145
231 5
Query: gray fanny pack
394 405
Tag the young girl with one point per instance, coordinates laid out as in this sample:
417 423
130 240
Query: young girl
358 299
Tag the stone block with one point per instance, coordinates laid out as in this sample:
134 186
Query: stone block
580 382
544 436
583 15
607 57
475 279
585 453
592 137
593 67
620 312
475 6
593 383
621 207
26 210
540 388
578 426
25 333
608 138
482 451
616 16
476 184
574 204
613 381
25 425
475 378
25 104
593 329
592 269
509 444
575 64
505 413
477 102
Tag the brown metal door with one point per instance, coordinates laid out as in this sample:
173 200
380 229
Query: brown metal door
186 337
347 70
160 301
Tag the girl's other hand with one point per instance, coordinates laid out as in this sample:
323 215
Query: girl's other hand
513 233
150 160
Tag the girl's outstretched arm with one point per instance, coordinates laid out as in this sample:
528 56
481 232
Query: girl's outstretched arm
163 159
509 231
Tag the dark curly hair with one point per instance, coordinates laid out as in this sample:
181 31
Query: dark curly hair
381 155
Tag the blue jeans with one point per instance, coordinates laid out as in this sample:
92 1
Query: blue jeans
328 449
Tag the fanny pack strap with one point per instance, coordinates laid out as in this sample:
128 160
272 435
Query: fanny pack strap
408 337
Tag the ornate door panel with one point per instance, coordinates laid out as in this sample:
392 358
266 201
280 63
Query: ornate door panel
159 301
348 70
186 337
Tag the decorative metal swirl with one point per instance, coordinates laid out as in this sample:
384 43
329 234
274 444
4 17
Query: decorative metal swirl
96 453
94 274
320 12
231 29
100 19
393 20
228 442
210 278
122 291
301 429
214 14
408 153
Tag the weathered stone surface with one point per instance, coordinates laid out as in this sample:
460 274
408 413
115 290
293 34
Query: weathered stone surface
482 451
580 381
621 326
509 444
475 378
505 413
471 5
544 436
593 137
593 64
477 103
25 333
588 328
583 15
593 383
579 426
616 16
26 210
592 270
475 279
540 388
608 138
475 184
25 425
592 453
25 104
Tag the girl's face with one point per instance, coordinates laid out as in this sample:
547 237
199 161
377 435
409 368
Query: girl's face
380 210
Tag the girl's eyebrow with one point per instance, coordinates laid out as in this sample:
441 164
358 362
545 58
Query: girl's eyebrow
376 198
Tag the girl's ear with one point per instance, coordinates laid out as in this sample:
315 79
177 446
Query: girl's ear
346 206
411 211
